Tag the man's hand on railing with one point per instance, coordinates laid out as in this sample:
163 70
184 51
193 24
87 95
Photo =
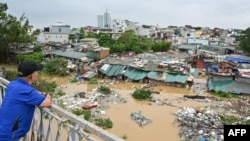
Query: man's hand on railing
47 101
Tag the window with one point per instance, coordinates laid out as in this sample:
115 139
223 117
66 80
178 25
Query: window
59 30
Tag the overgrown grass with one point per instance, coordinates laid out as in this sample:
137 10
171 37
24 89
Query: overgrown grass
104 123
86 113
230 119
104 90
93 81
73 80
224 94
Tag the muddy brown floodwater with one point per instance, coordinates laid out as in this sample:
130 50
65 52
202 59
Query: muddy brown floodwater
162 127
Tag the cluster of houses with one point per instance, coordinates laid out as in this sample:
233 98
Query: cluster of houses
222 69
195 52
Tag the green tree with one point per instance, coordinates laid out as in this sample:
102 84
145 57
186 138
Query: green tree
82 33
91 35
36 57
13 32
130 41
245 40
161 46
106 41
117 48
146 44
56 66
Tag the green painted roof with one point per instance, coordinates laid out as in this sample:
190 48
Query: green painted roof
135 74
112 70
180 78
152 75
115 70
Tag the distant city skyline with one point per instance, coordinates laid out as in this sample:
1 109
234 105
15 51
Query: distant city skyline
78 13
104 20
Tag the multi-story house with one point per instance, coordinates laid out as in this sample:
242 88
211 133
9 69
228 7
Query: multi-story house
55 33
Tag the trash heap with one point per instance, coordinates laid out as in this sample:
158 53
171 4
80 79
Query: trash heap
140 119
199 124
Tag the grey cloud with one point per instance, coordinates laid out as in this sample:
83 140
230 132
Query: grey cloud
210 13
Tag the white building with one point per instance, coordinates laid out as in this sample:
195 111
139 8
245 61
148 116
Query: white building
55 33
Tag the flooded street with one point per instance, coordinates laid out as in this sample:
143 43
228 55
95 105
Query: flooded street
162 127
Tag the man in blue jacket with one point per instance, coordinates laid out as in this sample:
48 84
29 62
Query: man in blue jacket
19 102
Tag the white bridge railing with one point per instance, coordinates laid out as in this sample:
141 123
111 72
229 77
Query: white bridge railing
57 124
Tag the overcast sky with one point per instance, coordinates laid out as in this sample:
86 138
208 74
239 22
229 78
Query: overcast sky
79 13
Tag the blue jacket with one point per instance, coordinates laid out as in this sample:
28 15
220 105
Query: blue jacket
19 102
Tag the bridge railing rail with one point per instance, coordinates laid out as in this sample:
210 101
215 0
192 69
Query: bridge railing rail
57 124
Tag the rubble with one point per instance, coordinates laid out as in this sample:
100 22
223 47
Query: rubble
206 123
140 119
198 124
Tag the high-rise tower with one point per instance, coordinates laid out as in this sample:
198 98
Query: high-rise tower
100 21
107 19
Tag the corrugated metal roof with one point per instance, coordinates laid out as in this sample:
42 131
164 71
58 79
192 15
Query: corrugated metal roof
69 54
180 78
152 75
115 70
135 74
105 68
89 74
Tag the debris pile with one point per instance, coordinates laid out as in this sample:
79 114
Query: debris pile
140 119
199 124
207 123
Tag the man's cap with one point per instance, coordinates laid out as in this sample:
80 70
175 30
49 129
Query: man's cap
27 68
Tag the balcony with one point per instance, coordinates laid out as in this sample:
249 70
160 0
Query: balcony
57 124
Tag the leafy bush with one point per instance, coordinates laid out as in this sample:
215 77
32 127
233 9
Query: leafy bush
104 123
36 57
73 80
59 93
93 81
45 86
104 90
142 94
56 66
10 74
86 113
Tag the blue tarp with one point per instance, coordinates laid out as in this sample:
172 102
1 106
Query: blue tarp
238 59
